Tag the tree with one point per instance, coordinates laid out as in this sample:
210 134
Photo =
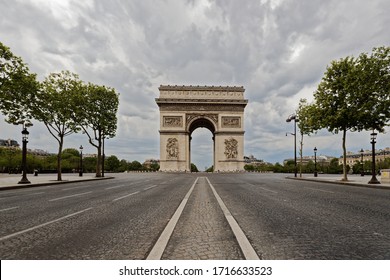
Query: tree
335 101
374 89
307 124
249 167
54 106
135 166
334 167
17 87
354 95
112 163
96 114
194 168
70 160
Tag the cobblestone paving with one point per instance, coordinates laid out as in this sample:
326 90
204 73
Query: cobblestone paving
202 232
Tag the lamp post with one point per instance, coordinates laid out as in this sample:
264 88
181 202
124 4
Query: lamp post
25 134
315 162
361 155
373 180
81 161
294 118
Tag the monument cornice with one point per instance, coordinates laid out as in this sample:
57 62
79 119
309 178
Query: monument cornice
197 101
201 88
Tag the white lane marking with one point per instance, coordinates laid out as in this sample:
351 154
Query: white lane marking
119 186
318 190
72 188
35 193
7 209
119 198
44 224
268 190
151 187
262 188
243 242
69 196
162 242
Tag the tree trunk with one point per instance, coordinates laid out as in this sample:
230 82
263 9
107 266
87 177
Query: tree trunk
345 178
301 154
99 156
59 159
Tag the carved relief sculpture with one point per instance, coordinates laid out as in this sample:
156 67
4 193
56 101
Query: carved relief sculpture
231 148
234 122
172 148
173 121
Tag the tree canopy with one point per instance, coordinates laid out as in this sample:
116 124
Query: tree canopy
353 95
95 112
18 87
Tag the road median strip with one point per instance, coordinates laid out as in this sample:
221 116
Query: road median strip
159 247
243 242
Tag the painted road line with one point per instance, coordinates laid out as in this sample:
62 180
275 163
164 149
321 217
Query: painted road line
42 225
72 188
268 190
243 242
35 193
261 188
119 186
318 190
69 196
158 248
122 197
8 209
151 187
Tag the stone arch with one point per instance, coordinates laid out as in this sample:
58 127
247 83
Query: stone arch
186 108
201 121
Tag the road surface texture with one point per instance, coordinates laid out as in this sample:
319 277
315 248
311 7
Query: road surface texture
125 217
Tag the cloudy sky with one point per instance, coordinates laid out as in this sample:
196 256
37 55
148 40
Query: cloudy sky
277 49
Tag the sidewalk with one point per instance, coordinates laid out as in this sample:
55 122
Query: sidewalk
10 181
353 180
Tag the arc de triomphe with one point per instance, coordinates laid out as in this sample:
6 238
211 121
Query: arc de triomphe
186 108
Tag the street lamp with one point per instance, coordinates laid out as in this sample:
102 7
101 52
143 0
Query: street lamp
373 180
315 162
81 161
361 154
294 118
25 134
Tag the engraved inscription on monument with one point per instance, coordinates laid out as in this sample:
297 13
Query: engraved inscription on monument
234 122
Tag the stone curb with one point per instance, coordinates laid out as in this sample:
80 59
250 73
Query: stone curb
22 186
373 186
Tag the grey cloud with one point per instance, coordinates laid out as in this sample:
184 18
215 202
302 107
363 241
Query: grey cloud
134 46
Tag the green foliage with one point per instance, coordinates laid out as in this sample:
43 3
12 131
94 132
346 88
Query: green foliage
194 168
354 95
135 166
54 106
95 111
249 167
210 169
112 163
18 87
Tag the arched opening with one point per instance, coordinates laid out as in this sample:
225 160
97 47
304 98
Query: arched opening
202 148
202 152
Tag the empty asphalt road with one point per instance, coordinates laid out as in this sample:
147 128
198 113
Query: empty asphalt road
123 218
